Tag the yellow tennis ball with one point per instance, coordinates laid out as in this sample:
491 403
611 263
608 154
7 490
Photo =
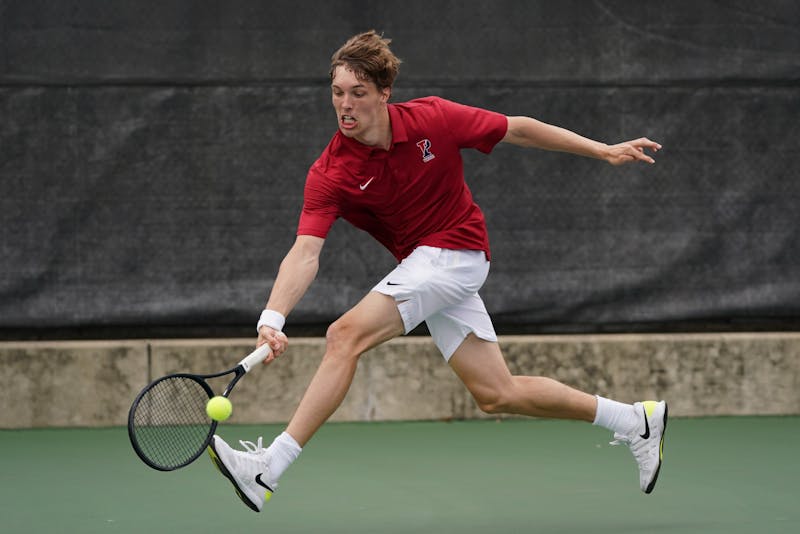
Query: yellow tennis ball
219 408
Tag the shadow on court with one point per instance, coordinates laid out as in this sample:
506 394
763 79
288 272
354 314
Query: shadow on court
731 475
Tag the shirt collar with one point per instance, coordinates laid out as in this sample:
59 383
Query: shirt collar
399 134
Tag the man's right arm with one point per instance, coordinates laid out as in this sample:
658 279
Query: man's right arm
298 269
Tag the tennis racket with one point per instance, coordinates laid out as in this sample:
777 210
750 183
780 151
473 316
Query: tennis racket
168 424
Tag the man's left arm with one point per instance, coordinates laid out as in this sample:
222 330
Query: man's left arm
529 132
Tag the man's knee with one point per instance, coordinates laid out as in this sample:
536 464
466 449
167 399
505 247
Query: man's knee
342 340
492 401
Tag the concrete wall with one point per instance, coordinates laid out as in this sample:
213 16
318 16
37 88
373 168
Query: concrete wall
93 383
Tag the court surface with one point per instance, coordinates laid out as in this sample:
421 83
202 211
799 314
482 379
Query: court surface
726 475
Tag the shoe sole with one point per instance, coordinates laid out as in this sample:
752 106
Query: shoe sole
652 484
224 471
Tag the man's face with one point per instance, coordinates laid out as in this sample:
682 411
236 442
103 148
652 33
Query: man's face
358 104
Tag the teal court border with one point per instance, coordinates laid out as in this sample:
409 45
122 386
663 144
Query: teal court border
721 475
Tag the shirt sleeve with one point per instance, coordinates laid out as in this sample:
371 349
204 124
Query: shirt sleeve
320 206
474 127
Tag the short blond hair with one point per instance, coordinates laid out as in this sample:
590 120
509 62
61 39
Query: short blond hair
368 56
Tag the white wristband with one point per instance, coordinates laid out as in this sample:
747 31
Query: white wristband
272 319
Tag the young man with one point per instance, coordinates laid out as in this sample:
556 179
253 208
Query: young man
395 171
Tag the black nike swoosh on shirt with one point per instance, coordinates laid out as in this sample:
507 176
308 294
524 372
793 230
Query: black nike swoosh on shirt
646 426
261 483
393 284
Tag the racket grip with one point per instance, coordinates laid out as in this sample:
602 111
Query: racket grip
255 357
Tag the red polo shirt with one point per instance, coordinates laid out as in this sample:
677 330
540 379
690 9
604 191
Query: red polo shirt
412 194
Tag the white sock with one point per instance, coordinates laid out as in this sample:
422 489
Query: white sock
284 450
616 416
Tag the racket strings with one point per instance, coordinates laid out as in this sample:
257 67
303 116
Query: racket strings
170 424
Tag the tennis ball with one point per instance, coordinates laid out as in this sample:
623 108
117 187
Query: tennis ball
219 408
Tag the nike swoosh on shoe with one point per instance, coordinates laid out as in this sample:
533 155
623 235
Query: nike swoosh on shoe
262 483
646 434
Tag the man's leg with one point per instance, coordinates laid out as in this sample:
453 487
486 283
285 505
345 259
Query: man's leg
371 322
482 368
254 472
641 426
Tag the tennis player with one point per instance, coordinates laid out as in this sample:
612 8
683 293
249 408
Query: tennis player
395 171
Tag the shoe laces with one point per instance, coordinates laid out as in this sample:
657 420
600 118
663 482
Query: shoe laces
620 439
253 448
258 449
638 447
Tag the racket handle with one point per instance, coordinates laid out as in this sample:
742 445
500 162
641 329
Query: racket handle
255 357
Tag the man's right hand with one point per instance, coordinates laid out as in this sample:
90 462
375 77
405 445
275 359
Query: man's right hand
277 341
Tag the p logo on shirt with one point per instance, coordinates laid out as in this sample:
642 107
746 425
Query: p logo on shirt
425 148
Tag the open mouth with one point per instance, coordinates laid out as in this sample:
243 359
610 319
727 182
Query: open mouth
348 121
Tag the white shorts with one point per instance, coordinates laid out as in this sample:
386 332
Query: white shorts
440 286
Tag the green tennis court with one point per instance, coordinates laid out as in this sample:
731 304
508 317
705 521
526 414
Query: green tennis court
731 475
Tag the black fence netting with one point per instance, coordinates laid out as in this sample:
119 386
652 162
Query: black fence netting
152 161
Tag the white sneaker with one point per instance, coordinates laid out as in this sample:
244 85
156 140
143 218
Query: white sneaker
647 447
247 470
